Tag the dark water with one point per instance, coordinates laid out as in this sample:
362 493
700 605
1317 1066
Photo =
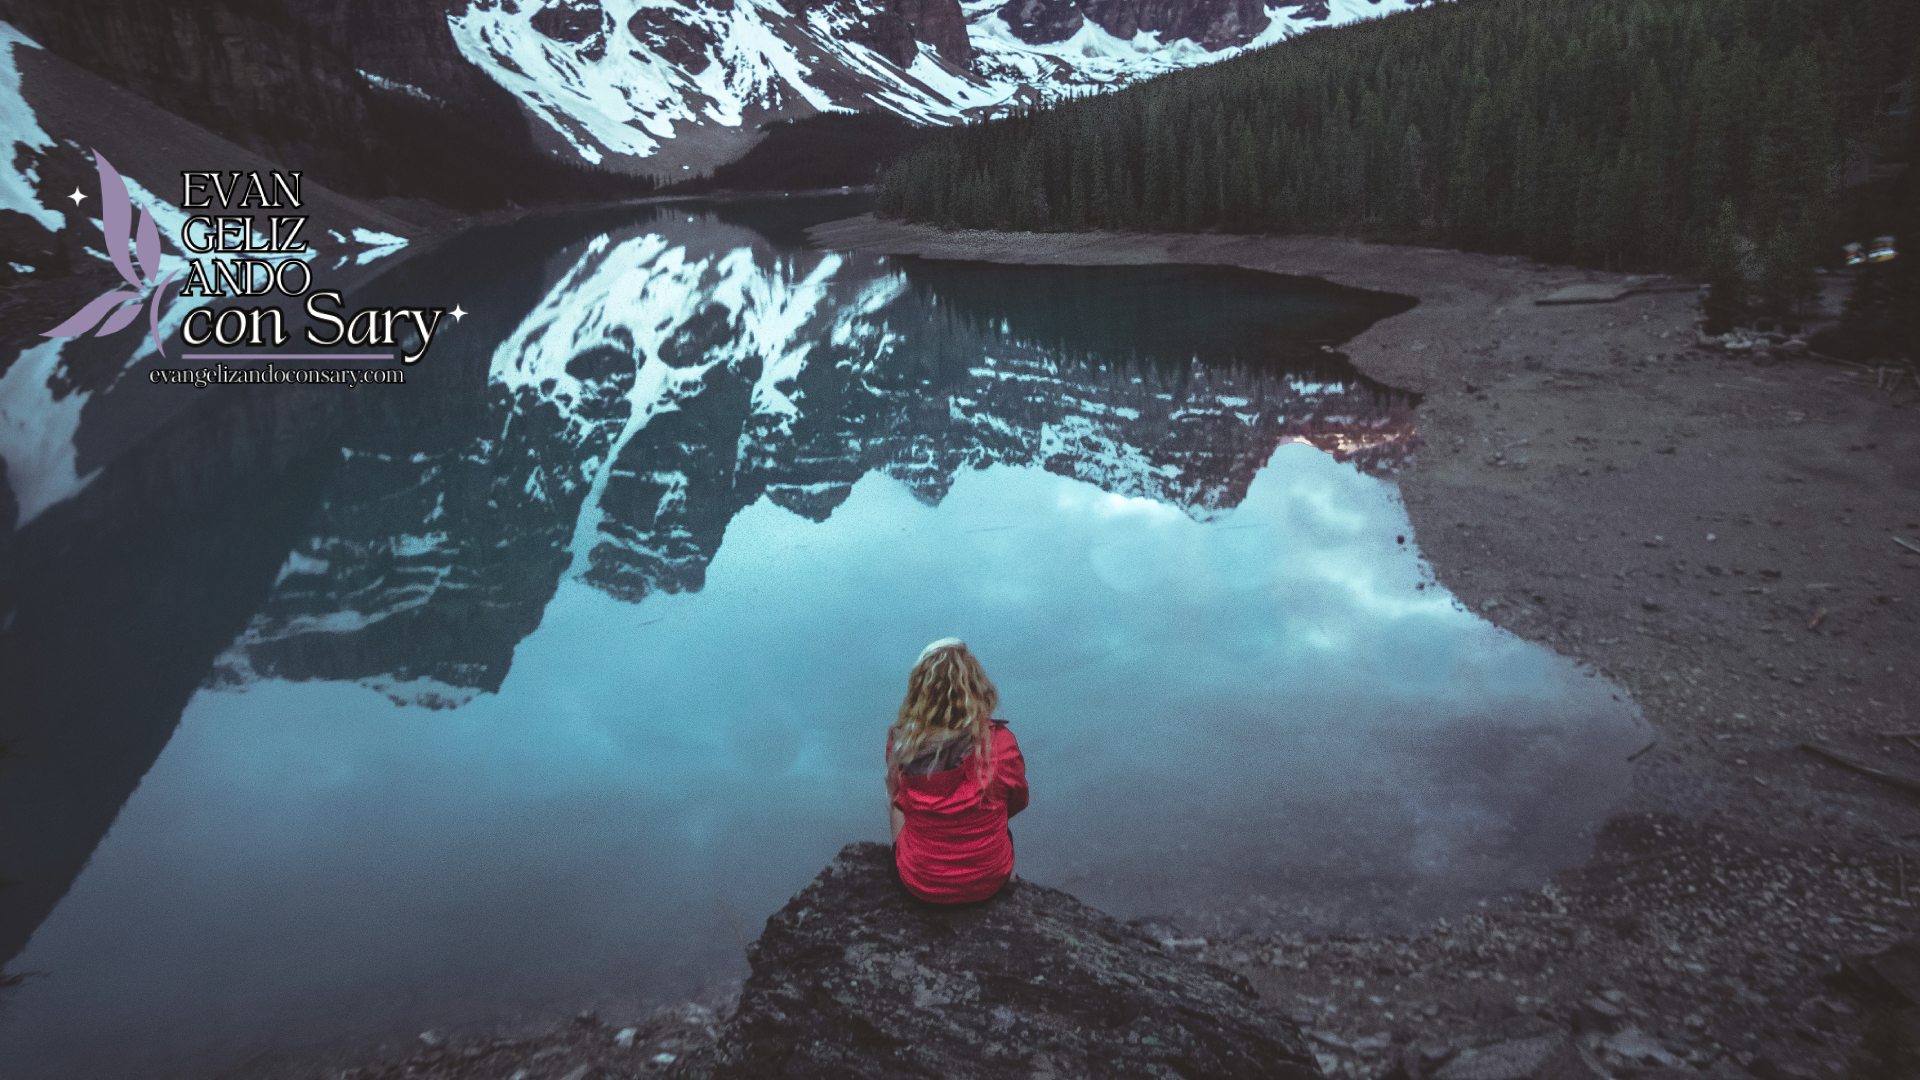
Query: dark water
543 679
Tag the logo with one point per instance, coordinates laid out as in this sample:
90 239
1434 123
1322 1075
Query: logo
116 222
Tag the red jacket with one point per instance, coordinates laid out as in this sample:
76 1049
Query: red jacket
955 847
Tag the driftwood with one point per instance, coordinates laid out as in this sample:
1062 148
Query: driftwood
1907 784
1904 544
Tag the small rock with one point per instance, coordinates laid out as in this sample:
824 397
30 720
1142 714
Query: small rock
664 1058
1635 1045
432 1040
1599 1014
624 1040
1373 1043
1543 1057
1328 1038
1650 603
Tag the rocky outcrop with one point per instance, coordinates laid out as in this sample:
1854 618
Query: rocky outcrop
939 23
855 978
1213 24
1041 22
897 28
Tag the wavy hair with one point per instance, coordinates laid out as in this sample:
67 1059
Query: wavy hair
948 696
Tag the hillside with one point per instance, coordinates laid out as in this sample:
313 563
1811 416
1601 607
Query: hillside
1609 133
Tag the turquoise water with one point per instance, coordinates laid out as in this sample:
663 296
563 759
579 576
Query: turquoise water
562 667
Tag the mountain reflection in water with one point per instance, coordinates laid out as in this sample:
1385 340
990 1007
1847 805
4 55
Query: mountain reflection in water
654 540
677 373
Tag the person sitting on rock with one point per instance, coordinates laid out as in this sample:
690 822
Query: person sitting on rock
954 777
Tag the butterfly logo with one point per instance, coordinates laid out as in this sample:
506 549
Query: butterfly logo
116 222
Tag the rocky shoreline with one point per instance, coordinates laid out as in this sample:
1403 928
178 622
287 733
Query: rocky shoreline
1719 533
1732 537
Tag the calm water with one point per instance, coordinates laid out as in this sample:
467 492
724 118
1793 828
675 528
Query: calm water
544 679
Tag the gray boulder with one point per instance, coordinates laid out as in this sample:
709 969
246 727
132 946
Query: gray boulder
1540 1057
854 979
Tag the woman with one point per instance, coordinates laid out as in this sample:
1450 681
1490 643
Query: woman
954 777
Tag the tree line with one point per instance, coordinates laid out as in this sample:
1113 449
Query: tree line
1703 135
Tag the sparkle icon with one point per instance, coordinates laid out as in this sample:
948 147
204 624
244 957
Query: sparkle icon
458 314
76 196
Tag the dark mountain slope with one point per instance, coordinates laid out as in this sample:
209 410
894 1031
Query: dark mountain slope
1602 132
299 83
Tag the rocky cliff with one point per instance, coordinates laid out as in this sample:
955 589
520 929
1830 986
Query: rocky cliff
854 978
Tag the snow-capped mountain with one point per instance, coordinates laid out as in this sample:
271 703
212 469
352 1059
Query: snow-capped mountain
630 77
672 377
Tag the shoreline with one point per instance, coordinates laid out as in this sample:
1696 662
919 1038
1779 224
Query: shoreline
1715 537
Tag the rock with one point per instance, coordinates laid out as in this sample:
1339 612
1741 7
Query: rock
1635 1045
1765 1068
1892 974
1598 1014
1540 1057
856 979
939 23
1211 24
1041 22
624 1039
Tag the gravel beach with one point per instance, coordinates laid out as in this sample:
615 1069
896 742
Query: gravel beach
1732 536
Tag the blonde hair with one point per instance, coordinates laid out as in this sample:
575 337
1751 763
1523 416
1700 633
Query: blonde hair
948 696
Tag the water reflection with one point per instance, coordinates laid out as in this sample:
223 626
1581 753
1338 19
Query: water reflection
655 544
675 374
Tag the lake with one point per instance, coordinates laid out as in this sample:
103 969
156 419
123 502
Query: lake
540 681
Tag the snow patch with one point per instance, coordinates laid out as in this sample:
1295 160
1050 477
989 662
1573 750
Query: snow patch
18 125
37 427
